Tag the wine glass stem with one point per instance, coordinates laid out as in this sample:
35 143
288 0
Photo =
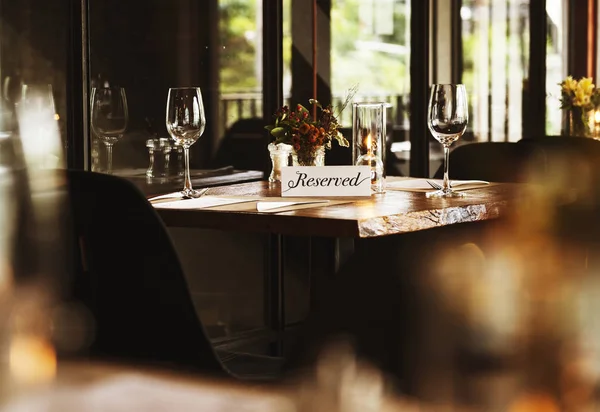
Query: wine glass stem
187 184
446 182
109 158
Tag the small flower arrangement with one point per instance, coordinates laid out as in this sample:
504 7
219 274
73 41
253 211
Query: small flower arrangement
307 134
578 98
581 94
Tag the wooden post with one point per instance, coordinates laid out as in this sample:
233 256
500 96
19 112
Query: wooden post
314 55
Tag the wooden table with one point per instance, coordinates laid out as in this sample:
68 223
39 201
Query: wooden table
390 213
338 229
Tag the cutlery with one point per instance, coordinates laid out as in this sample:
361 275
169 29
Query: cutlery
438 186
435 185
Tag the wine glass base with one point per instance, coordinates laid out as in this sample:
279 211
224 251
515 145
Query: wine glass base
444 193
190 194
193 194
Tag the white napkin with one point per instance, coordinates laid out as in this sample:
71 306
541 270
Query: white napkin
175 195
271 206
199 203
419 185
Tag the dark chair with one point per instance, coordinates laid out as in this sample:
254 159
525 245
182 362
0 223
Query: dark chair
564 147
572 165
133 284
491 161
562 142
244 146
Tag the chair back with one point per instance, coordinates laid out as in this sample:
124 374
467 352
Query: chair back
491 161
571 170
131 280
244 146
565 146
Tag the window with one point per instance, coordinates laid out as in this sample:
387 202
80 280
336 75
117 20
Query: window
370 50
555 63
495 44
362 45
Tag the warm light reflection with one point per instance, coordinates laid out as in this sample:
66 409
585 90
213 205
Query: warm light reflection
32 359
38 127
342 382
532 402
6 273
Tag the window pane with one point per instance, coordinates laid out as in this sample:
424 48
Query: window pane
555 63
370 50
241 127
169 47
213 45
495 41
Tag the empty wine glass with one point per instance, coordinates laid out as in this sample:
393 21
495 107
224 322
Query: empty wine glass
185 123
109 117
447 119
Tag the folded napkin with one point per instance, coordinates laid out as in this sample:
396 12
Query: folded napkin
200 203
281 206
421 185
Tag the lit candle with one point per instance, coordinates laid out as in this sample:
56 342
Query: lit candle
368 144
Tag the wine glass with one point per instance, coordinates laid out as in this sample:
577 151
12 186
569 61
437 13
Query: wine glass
447 119
109 117
185 123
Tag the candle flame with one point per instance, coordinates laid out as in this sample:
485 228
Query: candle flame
368 142
597 116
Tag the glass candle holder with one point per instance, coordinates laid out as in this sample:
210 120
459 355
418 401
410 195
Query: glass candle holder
280 155
368 140
159 151
166 147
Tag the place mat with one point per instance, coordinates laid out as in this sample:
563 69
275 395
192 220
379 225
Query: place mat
421 185
203 202
247 203
280 204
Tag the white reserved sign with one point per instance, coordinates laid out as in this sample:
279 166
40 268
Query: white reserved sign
302 181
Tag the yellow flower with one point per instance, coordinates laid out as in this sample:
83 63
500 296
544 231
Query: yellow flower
569 84
581 98
586 84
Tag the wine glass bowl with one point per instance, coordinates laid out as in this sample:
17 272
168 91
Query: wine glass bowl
447 119
185 121
109 117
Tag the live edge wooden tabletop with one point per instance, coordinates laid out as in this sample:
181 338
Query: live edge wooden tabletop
393 212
